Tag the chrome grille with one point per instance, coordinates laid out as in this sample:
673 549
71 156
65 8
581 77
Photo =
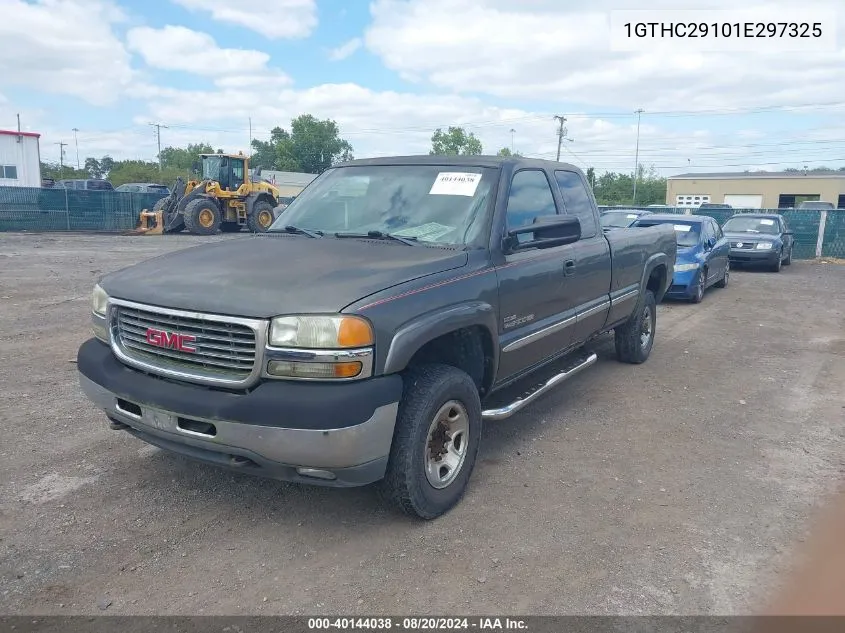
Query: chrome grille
225 351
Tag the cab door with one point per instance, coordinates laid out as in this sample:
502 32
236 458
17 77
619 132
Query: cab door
536 286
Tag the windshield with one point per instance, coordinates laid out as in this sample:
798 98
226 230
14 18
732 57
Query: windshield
686 234
434 204
618 219
751 225
211 166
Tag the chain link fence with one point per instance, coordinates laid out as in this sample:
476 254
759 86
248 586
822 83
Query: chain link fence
806 224
42 209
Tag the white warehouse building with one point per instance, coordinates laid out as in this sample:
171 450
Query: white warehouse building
20 159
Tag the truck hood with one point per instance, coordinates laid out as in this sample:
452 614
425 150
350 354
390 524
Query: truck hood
269 275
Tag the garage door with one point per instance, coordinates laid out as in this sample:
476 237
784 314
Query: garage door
744 202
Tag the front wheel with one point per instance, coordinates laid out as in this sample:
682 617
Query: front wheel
202 217
635 339
788 259
700 286
435 443
778 263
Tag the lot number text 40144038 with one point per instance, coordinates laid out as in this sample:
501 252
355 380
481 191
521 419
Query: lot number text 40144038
418 624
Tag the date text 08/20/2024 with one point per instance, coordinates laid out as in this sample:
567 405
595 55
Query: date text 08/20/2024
417 624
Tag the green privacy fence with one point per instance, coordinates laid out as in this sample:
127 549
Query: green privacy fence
40 209
806 224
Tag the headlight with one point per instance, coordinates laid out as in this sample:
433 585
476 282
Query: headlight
99 301
320 332
680 268
764 246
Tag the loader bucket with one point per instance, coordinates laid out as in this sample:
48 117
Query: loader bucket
151 223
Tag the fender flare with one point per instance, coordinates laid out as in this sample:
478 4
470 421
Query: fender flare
252 198
650 264
412 335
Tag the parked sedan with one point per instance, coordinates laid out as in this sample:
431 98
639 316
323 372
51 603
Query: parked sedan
143 187
620 218
702 259
760 239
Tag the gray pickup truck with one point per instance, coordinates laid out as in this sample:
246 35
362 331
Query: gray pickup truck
391 309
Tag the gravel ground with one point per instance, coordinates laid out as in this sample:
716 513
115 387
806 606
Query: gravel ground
676 487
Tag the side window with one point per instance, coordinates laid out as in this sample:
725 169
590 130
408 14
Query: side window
530 197
718 230
577 201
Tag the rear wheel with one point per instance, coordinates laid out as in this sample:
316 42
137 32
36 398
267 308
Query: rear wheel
435 443
202 217
261 217
635 339
723 282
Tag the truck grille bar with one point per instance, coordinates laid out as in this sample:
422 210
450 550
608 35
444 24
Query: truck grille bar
203 348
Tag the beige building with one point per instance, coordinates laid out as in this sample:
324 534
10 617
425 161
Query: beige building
756 190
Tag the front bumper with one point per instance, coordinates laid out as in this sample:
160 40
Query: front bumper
683 284
753 256
324 434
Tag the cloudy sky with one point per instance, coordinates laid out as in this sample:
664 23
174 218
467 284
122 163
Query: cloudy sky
391 71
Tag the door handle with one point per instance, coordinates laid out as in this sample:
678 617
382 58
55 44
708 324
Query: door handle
569 267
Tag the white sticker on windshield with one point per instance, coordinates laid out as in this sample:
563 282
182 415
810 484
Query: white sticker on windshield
767 222
683 228
430 231
455 183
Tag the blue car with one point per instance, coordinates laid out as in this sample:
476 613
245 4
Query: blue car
703 254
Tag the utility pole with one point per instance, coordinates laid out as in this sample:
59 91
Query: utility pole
61 159
637 157
158 127
512 133
560 133
250 137
20 138
76 142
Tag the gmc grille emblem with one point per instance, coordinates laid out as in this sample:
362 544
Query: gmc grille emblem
171 340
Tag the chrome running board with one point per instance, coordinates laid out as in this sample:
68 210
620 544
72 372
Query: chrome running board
529 396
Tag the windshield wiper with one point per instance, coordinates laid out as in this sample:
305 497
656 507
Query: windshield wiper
300 231
381 235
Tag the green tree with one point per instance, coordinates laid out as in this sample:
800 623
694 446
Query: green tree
505 151
99 168
591 176
454 142
56 172
145 171
184 157
311 146
613 188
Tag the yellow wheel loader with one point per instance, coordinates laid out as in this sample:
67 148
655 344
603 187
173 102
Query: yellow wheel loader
224 199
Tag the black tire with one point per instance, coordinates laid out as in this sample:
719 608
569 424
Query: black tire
701 286
723 282
260 217
788 259
630 345
406 485
202 217
230 227
778 263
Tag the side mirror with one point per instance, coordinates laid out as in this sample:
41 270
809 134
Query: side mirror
710 243
553 230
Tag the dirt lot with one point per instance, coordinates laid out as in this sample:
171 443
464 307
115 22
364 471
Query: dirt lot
678 486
